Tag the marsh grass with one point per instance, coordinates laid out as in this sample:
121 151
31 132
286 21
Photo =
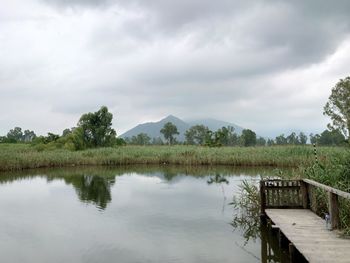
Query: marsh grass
23 156
335 174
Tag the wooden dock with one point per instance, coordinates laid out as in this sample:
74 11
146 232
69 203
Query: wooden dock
287 207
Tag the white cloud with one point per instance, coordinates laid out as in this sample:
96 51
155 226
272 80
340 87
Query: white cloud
265 65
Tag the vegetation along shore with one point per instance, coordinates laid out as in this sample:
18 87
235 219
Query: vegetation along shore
24 156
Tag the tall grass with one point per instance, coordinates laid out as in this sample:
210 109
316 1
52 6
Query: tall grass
22 156
335 174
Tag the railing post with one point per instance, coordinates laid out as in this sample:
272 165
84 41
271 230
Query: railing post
334 210
304 193
262 199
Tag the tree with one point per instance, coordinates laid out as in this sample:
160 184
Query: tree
67 131
15 135
51 137
261 141
270 142
227 136
97 128
331 138
28 136
302 138
168 131
338 107
248 137
196 134
293 139
281 140
314 138
141 139
157 141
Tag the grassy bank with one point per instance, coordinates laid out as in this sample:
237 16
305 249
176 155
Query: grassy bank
21 156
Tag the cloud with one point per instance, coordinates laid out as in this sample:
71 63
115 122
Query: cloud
267 65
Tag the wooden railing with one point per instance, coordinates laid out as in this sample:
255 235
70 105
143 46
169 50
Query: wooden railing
277 193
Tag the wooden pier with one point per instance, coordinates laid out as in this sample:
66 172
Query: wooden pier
288 207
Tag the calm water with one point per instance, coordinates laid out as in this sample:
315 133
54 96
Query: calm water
136 214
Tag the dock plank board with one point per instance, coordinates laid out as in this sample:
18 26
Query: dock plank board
308 233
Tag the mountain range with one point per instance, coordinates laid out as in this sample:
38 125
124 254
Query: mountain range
152 129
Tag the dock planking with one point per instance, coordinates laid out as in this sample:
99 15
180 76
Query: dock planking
309 235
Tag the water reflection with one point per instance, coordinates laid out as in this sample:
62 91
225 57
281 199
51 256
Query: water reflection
247 221
93 184
92 188
150 214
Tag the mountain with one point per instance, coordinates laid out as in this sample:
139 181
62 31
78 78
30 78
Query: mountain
152 129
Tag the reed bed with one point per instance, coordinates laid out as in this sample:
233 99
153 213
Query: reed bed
23 156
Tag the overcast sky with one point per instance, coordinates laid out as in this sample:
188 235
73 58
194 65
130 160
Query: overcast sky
265 65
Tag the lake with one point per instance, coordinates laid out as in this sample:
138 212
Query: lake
130 214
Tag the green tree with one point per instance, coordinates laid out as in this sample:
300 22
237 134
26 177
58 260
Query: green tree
261 141
248 137
157 141
196 134
227 136
28 136
302 138
141 139
169 130
281 140
314 138
270 142
97 128
293 139
338 107
51 137
67 131
15 135
331 138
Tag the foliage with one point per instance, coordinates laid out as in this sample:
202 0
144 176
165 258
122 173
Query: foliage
196 134
141 139
281 140
261 141
168 131
16 135
338 106
328 137
157 141
247 211
97 128
225 136
248 137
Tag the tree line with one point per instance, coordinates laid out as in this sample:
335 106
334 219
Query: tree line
93 130
226 136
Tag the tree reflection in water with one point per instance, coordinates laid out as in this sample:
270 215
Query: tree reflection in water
93 189
219 179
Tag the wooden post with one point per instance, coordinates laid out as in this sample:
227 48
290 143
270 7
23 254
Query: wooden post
292 253
334 210
305 195
282 240
262 200
264 244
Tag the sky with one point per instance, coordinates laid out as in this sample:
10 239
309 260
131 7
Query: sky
267 65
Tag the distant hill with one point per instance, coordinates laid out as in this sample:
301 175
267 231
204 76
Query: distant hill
152 129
